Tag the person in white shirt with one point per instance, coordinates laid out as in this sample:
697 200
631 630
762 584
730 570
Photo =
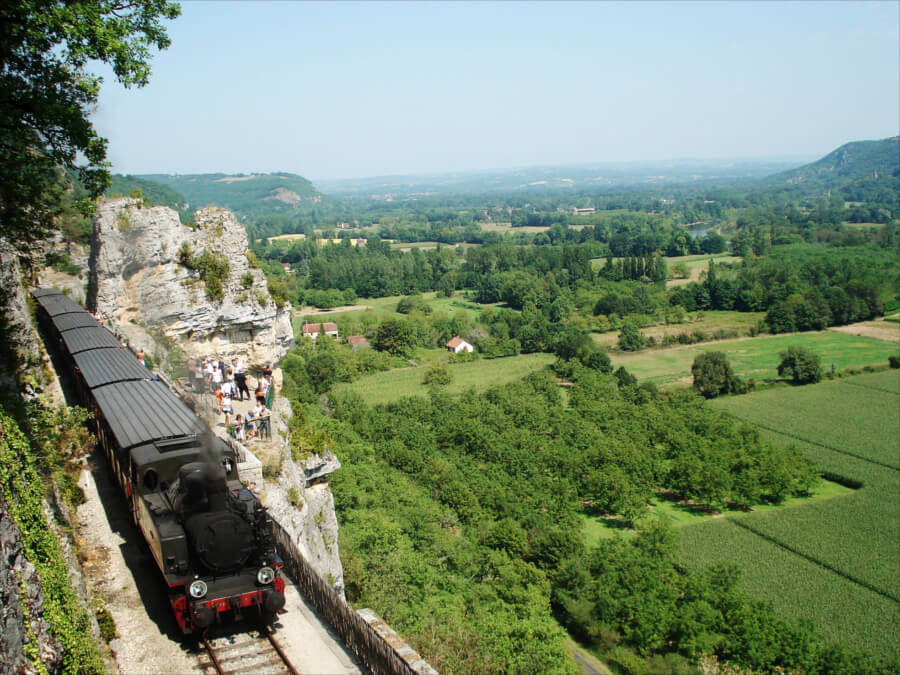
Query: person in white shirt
264 415
216 377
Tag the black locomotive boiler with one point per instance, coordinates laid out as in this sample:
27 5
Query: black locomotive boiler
209 535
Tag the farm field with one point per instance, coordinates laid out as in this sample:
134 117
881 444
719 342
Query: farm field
424 245
709 322
835 561
481 374
696 265
756 357
840 609
384 308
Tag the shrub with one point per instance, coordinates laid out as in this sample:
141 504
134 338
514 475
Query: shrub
713 375
894 361
800 365
247 280
631 339
437 373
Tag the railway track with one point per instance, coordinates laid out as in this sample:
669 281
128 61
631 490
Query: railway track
244 653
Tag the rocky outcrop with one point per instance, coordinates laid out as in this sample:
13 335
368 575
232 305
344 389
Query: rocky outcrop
139 281
138 277
15 322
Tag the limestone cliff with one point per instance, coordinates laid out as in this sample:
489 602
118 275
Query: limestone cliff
138 277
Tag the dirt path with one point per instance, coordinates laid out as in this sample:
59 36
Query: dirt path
889 331
315 311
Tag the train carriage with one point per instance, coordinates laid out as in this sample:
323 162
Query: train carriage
210 537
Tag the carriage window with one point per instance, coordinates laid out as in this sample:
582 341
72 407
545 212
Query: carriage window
150 479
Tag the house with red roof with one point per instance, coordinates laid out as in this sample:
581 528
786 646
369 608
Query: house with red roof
457 345
313 330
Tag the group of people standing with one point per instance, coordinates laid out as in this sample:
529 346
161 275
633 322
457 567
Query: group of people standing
228 383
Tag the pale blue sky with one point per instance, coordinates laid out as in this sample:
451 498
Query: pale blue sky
345 89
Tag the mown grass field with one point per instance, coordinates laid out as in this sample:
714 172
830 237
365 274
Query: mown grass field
386 308
395 384
709 322
756 357
835 562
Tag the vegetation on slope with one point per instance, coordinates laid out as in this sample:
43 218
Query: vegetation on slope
152 192
250 195
24 469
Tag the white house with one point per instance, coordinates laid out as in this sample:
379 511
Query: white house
457 345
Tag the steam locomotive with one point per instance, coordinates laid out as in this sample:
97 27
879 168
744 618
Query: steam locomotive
209 535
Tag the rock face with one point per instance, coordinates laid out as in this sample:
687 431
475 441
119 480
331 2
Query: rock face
15 321
138 277
303 504
21 607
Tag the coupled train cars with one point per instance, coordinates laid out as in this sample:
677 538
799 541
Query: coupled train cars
210 536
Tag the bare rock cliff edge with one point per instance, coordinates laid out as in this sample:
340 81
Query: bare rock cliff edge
138 276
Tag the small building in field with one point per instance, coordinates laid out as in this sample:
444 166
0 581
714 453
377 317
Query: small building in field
330 329
358 342
457 345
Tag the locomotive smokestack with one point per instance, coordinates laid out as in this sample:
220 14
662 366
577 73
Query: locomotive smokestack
216 490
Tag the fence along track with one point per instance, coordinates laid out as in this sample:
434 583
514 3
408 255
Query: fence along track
249 655
376 655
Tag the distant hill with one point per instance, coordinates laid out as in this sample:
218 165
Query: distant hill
245 194
852 163
156 193
559 178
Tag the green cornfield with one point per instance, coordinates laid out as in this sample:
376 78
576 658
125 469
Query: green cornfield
835 562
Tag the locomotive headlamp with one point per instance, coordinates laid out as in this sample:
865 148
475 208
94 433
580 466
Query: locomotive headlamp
197 589
265 575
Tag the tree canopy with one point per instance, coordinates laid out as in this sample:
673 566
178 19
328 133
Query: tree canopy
46 94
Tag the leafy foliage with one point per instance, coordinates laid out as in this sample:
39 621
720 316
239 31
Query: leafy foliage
249 195
213 268
47 91
801 365
713 375
153 193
